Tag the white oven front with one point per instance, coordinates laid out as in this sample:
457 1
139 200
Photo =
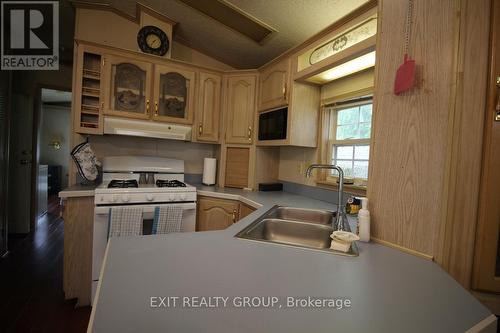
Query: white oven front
101 225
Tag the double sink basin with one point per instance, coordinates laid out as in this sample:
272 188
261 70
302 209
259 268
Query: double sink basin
298 227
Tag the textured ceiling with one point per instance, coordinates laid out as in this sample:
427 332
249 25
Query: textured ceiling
294 20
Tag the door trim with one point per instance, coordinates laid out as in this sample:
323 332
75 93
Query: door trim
487 235
4 211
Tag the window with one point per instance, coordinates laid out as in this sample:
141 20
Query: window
349 138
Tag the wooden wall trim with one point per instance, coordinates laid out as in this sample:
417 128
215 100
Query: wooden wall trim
402 248
487 235
455 241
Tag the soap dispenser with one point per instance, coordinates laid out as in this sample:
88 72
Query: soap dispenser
364 221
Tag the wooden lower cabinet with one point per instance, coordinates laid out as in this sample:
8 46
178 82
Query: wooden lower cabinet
78 215
245 210
218 214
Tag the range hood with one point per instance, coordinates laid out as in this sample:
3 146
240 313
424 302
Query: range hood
148 129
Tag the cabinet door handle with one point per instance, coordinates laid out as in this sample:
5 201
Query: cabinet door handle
147 106
249 133
200 128
156 108
284 91
497 107
234 215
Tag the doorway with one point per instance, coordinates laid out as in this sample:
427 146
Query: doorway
52 147
38 156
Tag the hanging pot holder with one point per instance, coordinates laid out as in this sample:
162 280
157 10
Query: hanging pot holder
86 161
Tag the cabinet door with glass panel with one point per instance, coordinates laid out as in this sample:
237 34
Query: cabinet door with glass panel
174 89
129 91
349 142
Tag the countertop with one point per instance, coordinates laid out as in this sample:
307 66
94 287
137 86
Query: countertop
76 191
389 291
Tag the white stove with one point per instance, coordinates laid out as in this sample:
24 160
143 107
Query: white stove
145 182
136 179
143 193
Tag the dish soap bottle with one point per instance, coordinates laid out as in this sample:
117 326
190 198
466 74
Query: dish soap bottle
364 221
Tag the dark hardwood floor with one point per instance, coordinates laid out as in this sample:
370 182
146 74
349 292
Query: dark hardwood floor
31 294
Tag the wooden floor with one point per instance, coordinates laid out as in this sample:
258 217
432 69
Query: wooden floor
31 295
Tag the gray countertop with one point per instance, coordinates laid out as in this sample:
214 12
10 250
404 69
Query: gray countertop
76 191
389 291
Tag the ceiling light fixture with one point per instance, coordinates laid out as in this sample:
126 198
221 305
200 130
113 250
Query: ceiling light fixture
350 67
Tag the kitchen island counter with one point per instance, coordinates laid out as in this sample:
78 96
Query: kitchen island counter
387 290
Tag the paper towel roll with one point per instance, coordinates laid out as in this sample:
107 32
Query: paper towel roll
209 171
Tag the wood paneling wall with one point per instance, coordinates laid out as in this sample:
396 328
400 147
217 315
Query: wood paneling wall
426 142
455 247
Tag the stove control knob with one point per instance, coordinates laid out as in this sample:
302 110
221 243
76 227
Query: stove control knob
102 198
149 197
114 198
171 197
125 198
183 197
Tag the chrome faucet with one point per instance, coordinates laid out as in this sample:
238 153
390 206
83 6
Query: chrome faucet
340 218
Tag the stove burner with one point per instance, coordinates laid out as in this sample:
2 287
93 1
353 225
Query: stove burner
121 183
169 183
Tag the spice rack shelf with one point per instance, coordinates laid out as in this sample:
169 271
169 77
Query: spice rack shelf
88 103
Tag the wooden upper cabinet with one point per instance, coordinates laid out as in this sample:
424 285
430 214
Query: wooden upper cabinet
240 109
274 85
216 214
174 94
128 87
208 108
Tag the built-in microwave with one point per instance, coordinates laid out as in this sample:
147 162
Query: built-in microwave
273 124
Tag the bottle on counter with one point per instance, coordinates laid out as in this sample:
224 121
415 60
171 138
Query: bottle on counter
364 221
353 205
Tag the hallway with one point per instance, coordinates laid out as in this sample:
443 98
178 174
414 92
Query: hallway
32 299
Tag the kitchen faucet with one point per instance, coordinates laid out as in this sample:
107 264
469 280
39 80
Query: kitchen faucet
340 218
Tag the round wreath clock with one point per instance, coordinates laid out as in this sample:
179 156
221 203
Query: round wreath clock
153 40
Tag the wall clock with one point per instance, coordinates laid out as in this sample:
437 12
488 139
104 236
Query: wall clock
153 40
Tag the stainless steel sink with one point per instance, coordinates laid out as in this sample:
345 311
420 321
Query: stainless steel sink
303 215
305 228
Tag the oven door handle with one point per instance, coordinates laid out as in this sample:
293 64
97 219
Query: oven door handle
104 210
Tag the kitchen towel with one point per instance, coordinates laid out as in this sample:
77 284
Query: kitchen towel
125 221
167 219
209 170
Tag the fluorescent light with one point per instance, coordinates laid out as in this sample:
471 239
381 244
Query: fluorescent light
350 67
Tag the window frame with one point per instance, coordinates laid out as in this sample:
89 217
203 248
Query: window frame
332 137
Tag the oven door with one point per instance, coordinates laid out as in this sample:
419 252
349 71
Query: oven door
101 225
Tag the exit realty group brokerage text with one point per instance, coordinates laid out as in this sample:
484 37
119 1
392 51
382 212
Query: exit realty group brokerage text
214 302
